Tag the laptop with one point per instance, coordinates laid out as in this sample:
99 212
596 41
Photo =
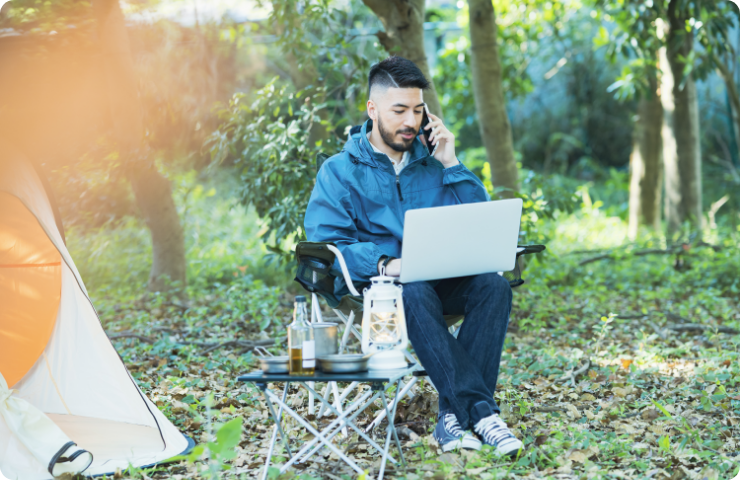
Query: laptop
460 240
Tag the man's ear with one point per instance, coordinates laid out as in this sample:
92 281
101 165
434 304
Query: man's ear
372 110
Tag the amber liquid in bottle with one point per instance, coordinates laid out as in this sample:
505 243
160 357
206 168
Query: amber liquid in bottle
296 363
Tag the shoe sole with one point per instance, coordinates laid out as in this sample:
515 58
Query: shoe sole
510 453
466 443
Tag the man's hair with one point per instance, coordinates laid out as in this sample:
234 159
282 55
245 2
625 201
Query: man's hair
396 72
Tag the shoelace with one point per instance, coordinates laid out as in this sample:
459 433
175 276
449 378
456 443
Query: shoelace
493 429
452 425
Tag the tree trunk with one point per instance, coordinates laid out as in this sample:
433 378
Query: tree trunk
152 190
403 21
672 206
154 198
490 103
734 97
686 118
646 170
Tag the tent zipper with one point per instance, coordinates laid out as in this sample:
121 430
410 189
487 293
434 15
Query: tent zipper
398 186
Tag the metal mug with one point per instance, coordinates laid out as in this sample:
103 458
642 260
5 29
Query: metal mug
325 336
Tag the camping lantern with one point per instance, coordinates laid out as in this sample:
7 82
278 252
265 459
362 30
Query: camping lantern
384 324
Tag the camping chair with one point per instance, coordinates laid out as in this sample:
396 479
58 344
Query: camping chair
315 260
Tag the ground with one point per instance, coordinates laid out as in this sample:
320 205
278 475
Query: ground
597 379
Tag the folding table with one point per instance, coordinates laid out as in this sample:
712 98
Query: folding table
380 381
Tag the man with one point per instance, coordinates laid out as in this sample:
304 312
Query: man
359 201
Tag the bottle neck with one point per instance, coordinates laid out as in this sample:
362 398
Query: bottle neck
300 314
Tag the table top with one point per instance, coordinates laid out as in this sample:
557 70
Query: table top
371 376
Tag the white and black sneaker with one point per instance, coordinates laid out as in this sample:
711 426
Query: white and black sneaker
450 435
492 430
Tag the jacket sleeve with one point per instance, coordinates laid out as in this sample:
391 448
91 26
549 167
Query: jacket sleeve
465 185
330 217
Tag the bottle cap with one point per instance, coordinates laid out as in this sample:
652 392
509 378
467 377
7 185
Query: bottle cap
300 298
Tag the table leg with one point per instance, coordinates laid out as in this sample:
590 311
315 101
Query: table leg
337 403
381 415
325 394
310 403
316 434
333 425
391 411
350 422
277 419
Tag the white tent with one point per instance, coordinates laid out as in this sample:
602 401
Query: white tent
54 354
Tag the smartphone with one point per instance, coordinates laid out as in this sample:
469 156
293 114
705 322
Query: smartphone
426 133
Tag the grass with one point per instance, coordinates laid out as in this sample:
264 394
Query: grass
653 403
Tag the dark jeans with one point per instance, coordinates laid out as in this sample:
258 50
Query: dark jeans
464 370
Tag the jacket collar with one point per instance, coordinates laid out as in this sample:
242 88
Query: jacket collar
358 146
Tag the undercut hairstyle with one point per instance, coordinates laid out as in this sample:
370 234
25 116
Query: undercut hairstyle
396 72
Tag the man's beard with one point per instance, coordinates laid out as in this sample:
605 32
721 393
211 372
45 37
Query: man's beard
388 138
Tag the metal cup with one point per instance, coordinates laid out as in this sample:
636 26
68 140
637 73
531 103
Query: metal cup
325 336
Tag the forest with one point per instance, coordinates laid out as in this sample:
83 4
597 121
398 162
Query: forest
181 142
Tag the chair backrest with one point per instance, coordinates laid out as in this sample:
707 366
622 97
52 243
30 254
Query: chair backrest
321 157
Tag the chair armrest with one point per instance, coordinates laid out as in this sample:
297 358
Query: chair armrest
318 255
527 249
345 271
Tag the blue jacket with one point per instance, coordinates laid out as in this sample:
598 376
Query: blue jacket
359 202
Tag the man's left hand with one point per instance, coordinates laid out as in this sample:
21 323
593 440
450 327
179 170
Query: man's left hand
445 141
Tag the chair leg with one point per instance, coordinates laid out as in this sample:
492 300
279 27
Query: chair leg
315 309
349 327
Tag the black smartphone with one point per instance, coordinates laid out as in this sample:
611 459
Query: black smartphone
426 133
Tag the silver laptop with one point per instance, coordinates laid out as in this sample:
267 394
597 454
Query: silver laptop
460 240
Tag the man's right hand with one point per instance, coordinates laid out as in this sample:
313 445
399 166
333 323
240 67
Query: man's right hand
393 269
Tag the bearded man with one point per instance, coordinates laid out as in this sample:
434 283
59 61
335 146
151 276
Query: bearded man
359 202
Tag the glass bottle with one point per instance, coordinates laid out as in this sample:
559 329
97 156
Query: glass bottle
301 344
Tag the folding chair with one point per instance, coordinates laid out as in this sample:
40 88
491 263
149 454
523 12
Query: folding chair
315 260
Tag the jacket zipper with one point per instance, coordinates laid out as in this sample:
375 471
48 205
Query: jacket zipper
398 186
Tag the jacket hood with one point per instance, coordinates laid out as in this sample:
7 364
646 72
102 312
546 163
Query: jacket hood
358 146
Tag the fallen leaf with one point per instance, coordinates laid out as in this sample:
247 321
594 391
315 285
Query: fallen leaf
650 414
627 428
573 411
587 397
623 392
577 456
626 362
592 374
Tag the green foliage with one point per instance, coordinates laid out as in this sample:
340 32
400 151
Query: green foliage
43 16
274 135
224 243
218 452
544 198
268 142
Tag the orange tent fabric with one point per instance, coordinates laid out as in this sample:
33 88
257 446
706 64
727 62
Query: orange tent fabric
30 288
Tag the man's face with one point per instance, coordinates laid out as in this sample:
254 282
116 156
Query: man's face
397 114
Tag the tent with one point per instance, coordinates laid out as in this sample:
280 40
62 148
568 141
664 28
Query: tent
55 356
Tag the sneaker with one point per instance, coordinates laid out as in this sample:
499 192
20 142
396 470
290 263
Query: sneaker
450 435
494 432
